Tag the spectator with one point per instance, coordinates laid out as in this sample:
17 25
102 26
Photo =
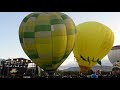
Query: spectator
94 75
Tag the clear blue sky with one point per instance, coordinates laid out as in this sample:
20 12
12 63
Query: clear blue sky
10 21
9 25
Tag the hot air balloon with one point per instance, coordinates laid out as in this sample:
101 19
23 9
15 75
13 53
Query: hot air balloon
114 54
93 41
47 38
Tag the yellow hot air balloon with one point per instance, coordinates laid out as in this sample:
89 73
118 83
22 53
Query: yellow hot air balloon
47 38
93 41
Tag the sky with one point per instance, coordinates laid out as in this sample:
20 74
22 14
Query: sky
10 46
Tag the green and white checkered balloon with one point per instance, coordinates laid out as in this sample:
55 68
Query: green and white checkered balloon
47 38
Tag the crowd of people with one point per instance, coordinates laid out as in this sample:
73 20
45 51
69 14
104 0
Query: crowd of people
115 73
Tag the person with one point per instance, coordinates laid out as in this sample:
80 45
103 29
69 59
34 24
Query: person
94 75
116 72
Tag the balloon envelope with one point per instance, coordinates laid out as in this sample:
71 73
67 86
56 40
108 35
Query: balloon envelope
114 54
47 38
93 41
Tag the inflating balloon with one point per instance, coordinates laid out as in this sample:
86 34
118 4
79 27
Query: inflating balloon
47 38
114 54
93 41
